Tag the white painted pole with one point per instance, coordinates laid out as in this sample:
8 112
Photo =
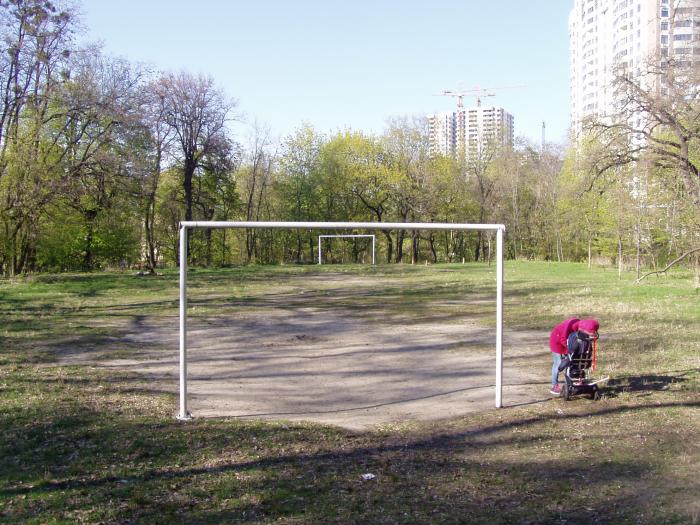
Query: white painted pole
374 240
340 225
184 414
319 250
499 317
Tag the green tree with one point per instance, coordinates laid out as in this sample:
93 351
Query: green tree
35 46
406 143
357 163
299 185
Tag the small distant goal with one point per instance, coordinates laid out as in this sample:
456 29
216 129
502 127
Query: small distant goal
347 236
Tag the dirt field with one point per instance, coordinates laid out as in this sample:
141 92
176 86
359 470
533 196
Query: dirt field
322 355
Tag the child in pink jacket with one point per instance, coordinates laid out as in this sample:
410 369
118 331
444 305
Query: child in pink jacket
557 344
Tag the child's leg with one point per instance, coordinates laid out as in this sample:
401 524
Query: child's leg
556 360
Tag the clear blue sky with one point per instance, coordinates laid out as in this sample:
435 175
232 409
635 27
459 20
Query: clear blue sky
352 64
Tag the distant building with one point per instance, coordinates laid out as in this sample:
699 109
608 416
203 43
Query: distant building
443 140
468 132
488 126
607 36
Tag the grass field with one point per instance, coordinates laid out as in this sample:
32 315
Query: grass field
81 445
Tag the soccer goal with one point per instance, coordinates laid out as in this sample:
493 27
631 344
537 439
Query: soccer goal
346 236
185 226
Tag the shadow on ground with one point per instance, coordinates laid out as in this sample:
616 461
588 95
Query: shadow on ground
648 382
226 471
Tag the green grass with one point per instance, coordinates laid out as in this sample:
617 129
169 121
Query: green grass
78 444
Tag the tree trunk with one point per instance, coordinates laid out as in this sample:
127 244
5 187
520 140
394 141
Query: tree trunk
560 249
433 251
150 219
489 246
224 247
207 237
449 247
619 257
389 245
299 248
149 227
250 243
639 251
460 248
88 256
312 251
399 245
23 253
188 175
415 241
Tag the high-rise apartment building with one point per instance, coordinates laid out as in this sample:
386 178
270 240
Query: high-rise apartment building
443 140
468 132
608 36
487 126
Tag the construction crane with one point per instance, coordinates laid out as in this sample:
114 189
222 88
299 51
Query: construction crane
478 92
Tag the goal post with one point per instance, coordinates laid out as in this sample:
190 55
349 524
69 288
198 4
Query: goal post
185 226
347 236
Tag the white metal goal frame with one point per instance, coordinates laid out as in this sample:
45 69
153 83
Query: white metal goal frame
184 413
347 236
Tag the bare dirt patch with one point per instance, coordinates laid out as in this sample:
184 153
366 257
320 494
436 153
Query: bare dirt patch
335 355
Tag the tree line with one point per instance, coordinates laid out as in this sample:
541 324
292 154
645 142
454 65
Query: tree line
100 160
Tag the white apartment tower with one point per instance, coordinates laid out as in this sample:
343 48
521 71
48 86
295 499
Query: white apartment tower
468 132
606 35
442 134
486 126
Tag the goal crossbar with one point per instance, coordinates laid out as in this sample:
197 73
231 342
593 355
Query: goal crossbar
184 414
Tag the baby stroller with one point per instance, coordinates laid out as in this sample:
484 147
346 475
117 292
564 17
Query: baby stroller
577 366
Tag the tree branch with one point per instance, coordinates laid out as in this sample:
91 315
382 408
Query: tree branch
677 260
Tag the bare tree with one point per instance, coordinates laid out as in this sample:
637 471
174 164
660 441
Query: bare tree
255 181
197 112
160 140
93 135
656 131
478 172
35 39
660 118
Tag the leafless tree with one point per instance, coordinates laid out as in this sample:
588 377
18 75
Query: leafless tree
656 127
35 39
659 118
255 182
479 174
159 145
197 112
94 133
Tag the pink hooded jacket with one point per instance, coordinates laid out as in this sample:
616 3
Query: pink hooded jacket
589 325
557 339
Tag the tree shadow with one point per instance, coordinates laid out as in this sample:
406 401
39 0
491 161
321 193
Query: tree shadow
421 479
647 382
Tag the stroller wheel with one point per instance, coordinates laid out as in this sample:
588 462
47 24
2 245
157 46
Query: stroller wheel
565 391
